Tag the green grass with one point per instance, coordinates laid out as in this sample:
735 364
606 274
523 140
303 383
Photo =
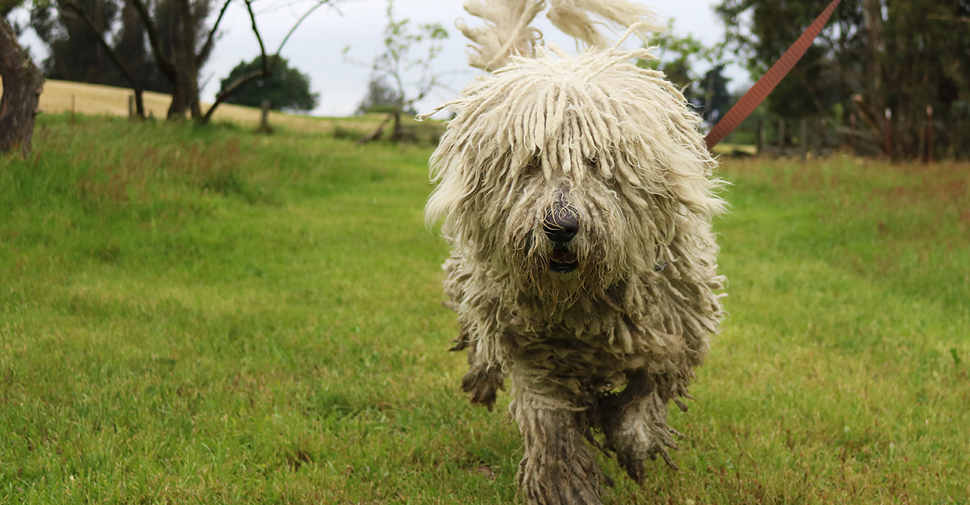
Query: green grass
217 317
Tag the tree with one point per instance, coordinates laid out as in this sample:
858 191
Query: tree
181 41
267 63
84 54
183 23
713 94
79 35
286 88
76 32
22 85
901 56
679 57
676 58
380 97
398 73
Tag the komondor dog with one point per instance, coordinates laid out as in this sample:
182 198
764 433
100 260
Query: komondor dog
577 195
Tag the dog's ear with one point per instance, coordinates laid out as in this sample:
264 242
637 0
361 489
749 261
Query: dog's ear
573 18
507 31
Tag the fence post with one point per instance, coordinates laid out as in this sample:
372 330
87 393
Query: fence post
929 134
804 139
852 136
819 139
889 132
761 137
264 118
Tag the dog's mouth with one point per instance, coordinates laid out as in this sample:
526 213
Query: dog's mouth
562 261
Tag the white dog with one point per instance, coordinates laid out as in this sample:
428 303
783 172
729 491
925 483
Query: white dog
577 195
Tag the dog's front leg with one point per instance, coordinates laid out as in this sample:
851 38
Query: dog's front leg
635 425
558 466
483 379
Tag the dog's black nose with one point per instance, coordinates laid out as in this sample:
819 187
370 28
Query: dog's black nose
561 225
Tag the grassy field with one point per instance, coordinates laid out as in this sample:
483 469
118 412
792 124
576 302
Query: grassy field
211 316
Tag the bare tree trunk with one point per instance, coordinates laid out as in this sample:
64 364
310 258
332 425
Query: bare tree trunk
402 133
185 92
396 132
264 126
377 131
185 95
22 85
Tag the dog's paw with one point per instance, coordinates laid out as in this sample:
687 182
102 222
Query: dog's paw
575 481
634 446
483 383
640 431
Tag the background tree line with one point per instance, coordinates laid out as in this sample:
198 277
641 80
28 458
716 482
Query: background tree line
875 55
159 45
906 57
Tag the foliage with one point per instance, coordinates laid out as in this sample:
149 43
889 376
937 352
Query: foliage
399 77
286 88
411 75
7 6
900 55
680 57
209 315
178 33
380 98
75 53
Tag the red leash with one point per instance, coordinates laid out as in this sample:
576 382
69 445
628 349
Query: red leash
757 94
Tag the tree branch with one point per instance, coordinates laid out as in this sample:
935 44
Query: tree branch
210 40
166 66
265 71
225 93
956 19
268 63
259 38
74 8
319 4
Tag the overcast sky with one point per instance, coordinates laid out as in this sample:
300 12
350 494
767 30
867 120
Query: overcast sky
317 46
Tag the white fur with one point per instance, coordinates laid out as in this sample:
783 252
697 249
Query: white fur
618 146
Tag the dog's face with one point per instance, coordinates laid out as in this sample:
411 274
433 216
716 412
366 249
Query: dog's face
567 176
572 228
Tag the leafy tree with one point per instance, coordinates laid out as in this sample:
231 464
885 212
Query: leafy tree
679 58
181 23
713 95
73 31
179 34
400 77
761 31
897 55
286 88
380 98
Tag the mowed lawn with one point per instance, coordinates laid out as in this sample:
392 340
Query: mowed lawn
211 316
